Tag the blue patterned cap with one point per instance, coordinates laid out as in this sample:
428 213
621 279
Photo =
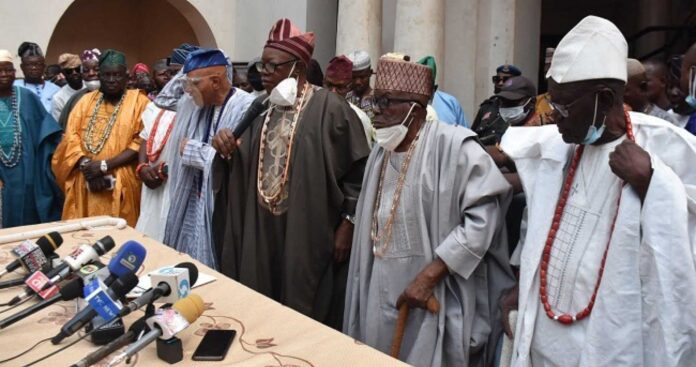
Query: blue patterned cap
205 58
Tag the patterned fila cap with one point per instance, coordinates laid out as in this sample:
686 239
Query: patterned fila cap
284 36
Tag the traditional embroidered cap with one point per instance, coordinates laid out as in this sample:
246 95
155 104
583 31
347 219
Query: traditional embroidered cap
509 69
634 68
340 68
205 58
69 61
29 49
140 68
6 56
180 53
112 57
516 88
593 49
92 54
284 36
403 76
360 59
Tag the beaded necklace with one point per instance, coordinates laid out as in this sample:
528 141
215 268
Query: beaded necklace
12 158
376 235
154 154
91 126
568 319
273 198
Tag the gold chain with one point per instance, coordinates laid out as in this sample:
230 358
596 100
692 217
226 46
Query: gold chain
89 134
376 235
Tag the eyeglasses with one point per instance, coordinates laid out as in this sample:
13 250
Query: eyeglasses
270 67
497 79
71 70
563 110
191 82
385 102
342 88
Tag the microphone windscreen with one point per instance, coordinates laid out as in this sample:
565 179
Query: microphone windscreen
124 284
107 243
190 307
50 242
192 270
71 290
128 259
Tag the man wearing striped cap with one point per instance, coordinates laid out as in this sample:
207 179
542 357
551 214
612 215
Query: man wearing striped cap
285 208
429 230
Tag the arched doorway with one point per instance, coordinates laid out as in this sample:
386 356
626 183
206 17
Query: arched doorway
144 30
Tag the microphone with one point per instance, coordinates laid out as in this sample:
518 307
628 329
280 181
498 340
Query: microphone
118 289
68 292
165 324
123 340
128 259
173 283
83 255
253 111
20 281
32 256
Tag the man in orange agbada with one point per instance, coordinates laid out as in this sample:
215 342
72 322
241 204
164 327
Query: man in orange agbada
95 163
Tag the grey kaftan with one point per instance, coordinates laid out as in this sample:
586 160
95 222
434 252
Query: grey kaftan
452 207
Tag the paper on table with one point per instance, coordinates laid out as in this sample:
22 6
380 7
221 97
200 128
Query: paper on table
145 284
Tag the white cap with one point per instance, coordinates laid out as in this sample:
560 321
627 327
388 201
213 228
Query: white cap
593 49
360 59
6 56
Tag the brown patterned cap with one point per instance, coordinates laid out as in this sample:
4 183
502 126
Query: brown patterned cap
403 76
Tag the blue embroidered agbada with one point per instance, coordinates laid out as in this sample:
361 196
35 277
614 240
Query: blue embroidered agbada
30 194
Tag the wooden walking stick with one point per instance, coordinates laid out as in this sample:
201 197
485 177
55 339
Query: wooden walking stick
433 306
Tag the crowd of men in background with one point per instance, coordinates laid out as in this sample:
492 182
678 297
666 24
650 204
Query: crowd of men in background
360 190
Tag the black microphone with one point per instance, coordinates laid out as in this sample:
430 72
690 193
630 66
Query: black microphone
253 111
68 292
32 256
120 288
133 332
172 284
83 255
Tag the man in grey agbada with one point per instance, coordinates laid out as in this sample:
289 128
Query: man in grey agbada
429 226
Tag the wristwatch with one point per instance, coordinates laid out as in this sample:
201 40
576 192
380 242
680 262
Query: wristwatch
104 167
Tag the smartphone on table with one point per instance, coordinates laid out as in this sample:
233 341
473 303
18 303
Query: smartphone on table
214 345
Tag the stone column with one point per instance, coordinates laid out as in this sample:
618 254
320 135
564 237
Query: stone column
359 27
420 28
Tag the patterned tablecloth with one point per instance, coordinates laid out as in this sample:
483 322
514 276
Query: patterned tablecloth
268 333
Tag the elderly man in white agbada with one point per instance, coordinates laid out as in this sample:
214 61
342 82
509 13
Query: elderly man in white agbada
607 274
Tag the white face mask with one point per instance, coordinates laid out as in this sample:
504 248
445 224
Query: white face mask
390 137
285 93
594 133
513 115
92 85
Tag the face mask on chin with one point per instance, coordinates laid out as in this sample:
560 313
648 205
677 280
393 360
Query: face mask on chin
92 85
285 93
390 137
594 133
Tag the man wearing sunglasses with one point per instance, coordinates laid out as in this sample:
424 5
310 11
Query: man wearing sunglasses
488 110
607 273
286 201
429 230
71 66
